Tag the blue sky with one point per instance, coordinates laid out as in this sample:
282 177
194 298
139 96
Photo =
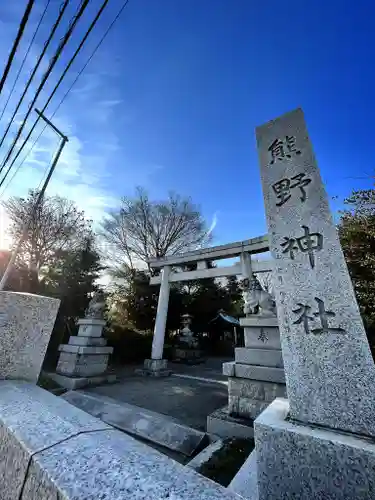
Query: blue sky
172 99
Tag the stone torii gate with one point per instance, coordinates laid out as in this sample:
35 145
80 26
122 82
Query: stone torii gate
157 366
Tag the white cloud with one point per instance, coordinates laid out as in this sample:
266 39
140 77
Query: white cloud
82 173
213 223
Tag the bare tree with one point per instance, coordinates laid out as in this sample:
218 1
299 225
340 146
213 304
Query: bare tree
56 226
142 229
265 279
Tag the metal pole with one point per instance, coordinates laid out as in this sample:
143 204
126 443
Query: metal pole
26 225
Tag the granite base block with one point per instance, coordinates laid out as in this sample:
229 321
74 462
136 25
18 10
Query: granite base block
260 357
74 370
81 382
90 327
141 422
262 337
245 407
77 349
83 359
154 368
87 341
264 373
259 321
255 389
304 462
223 425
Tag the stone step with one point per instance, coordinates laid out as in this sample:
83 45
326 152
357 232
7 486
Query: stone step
75 370
146 424
220 423
254 372
260 357
205 455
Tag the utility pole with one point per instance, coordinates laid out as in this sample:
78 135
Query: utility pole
26 225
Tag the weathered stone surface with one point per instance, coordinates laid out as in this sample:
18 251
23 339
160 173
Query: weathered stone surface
255 389
52 450
220 423
87 341
147 424
113 466
245 407
83 359
206 454
256 321
14 460
156 364
154 368
85 350
268 374
32 420
26 323
229 369
262 337
90 327
75 370
298 461
79 382
260 357
329 368
245 482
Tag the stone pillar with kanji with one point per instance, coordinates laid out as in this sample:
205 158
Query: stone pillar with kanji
320 443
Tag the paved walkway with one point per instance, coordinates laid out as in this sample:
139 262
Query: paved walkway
192 393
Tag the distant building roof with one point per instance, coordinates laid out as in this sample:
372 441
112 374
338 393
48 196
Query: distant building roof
226 318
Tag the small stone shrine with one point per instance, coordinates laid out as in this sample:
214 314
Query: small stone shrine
84 360
320 443
187 345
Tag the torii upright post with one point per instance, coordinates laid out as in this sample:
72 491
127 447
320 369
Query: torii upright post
157 366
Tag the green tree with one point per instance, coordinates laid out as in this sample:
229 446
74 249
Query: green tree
134 300
357 235
234 297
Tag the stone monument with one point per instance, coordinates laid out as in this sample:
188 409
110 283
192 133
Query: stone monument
321 442
84 360
256 377
187 345
26 323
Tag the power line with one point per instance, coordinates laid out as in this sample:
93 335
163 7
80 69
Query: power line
92 25
41 55
63 98
21 30
54 59
25 57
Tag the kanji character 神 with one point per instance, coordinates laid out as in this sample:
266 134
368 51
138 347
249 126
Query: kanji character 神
306 244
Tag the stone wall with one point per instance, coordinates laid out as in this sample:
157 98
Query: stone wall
51 450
